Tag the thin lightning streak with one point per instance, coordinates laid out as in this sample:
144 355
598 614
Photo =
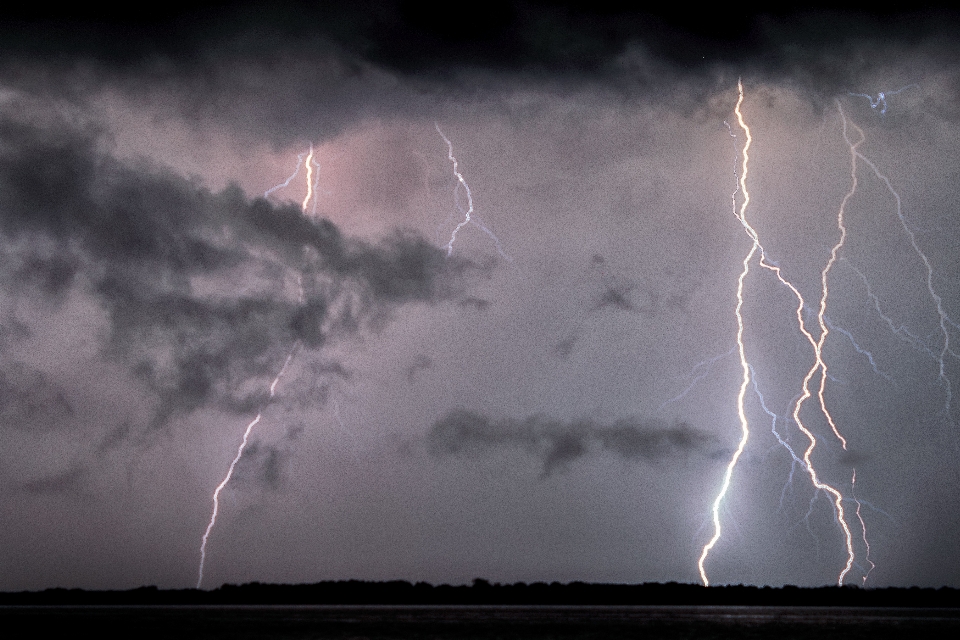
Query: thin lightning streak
744 425
863 527
706 364
286 183
273 385
944 319
901 332
864 352
468 217
881 100
226 479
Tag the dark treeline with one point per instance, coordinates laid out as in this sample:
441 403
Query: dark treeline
482 592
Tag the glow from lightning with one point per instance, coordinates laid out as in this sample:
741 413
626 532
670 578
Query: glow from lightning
468 215
226 479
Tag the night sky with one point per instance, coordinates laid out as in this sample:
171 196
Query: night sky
550 395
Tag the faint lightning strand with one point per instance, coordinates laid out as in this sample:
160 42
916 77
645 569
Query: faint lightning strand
863 527
881 100
864 352
901 332
745 366
944 320
243 444
286 183
468 217
706 364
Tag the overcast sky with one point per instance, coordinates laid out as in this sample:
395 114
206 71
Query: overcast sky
549 394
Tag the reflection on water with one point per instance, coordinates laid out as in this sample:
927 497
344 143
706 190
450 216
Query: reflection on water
482 622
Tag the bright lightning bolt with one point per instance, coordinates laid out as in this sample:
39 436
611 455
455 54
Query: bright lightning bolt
744 425
310 185
311 181
468 215
819 364
273 385
226 479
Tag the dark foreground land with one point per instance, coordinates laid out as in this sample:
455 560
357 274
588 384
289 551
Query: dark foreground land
478 622
399 610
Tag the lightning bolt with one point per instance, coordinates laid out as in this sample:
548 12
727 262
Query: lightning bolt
233 464
938 301
468 215
273 385
745 366
312 181
819 364
863 527
881 100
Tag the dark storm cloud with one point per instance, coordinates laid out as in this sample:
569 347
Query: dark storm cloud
68 481
564 347
30 401
557 443
286 72
418 38
615 297
146 240
264 464
420 363
477 303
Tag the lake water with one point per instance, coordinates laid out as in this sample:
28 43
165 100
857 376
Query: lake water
479 622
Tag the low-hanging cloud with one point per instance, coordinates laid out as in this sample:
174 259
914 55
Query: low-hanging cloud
558 443
202 290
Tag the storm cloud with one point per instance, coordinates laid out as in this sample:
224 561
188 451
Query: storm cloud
557 444
149 246
156 275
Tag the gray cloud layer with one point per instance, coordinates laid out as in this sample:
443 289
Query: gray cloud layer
557 443
150 247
